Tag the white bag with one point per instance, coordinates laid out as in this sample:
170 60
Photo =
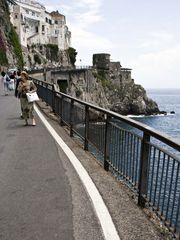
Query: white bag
11 85
32 97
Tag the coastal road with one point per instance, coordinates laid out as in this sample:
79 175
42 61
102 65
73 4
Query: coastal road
35 195
35 189
46 194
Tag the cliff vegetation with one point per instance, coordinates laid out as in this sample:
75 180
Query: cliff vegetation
10 48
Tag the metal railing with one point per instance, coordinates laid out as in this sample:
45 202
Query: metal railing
145 159
83 67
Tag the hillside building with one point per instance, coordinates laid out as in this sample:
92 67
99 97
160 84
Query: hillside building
34 25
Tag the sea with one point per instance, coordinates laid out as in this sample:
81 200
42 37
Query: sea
168 100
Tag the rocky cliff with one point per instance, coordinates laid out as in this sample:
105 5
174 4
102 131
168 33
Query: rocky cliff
110 86
10 49
41 55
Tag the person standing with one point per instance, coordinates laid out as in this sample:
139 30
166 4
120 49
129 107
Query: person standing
16 93
12 77
18 79
25 85
6 80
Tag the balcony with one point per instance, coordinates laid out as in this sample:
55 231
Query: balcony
33 17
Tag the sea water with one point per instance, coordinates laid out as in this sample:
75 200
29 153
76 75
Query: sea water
168 100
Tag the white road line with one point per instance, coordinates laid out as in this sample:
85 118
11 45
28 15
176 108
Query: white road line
101 210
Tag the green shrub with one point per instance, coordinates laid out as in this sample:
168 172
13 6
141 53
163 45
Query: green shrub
52 52
14 41
101 76
72 55
78 93
37 59
3 57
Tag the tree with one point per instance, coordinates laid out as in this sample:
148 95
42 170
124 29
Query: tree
37 59
72 55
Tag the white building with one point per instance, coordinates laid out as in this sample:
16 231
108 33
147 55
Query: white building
34 25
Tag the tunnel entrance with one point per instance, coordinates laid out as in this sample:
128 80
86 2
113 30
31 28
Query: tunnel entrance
63 84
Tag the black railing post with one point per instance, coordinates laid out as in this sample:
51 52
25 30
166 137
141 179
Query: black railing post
86 133
61 111
143 173
71 117
53 98
44 74
106 143
46 93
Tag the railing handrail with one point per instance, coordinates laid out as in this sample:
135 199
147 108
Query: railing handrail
145 159
141 126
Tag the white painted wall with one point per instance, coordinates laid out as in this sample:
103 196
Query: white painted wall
34 24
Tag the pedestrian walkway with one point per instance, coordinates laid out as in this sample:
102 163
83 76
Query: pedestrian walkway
42 197
36 196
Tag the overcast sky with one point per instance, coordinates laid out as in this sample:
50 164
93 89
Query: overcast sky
142 34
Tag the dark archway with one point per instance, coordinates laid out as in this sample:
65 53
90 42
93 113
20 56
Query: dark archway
63 84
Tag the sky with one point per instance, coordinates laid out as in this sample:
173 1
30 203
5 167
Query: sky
143 35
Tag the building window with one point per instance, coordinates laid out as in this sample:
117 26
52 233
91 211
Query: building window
33 13
16 16
56 31
37 29
43 28
56 22
46 19
50 21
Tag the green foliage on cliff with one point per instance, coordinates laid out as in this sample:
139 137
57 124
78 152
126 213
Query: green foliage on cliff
72 55
14 40
52 52
101 77
37 59
9 41
78 93
3 57
4 16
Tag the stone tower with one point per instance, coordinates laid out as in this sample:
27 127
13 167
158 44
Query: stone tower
101 61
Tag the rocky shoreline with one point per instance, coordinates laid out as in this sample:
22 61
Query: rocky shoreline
110 86
162 113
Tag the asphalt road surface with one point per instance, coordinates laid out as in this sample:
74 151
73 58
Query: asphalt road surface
41 195
35 190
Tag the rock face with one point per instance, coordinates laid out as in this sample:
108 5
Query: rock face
126 97
7 56
40 56
107 85
134 100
